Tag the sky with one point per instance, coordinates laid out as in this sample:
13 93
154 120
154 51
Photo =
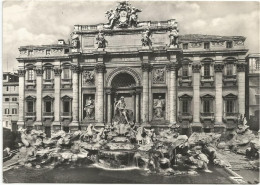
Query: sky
27 22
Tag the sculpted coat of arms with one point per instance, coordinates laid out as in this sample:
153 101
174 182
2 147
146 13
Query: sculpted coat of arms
123 16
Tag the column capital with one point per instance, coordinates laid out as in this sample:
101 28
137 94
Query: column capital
172 67
109 91
39 71
21 72
241 67
57 71
100 68
218 67
146 67
196 68
75 68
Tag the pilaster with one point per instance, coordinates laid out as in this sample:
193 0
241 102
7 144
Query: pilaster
21 74
172 67
100 70
196 92
57 81
39 72
218 67
75 87
241 67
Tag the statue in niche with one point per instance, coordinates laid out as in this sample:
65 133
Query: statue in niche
75 41
89 108
101 41
146 41
89 77
159 75
121 114
159 105
174 37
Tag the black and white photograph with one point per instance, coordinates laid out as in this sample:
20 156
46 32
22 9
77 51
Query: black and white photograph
130 92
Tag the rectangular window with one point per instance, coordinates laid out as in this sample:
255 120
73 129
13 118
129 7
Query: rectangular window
6 123
29 106
6 99
66 73
48 106
230 106
14 111
206 45
185 106
48 74
7 88
229 69
66 106
185 70
30 74
185 46
6 111
206 106
14 99
229 44
207 70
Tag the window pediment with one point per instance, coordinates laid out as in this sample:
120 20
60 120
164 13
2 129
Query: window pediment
207 96
48 97
230 97
30 98
66 97
185 96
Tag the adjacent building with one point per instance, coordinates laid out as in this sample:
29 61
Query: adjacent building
10 100
253 90
197 81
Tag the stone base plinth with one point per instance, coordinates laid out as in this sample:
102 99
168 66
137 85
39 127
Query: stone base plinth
20 124
37 123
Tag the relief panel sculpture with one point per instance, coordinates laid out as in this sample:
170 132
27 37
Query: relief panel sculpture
159 76
88 78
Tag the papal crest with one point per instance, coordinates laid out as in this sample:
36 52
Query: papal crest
123 17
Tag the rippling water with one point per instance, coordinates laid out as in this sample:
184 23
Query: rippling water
98 175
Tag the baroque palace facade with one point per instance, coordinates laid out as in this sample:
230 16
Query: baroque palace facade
197 81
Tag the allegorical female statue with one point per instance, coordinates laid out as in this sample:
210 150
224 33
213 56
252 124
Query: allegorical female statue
89 108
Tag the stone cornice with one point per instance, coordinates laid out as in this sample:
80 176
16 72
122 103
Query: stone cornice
218 67
100 68
196 68
146 67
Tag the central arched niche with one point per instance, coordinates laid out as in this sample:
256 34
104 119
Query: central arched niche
123 80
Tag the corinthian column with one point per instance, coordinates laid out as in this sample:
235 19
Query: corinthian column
196 92
171 68
146 69
57 73
241 87
218 67
100 69
20 123
39 72
109 107
75 94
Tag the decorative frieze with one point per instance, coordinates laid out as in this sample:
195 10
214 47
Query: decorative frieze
75 68
195 44
159 75
100 68
23 52
218 43
57 71
241 67
57 50
238 43
39 71
196 68
88 77
218 67
21 72
39 51
147 67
